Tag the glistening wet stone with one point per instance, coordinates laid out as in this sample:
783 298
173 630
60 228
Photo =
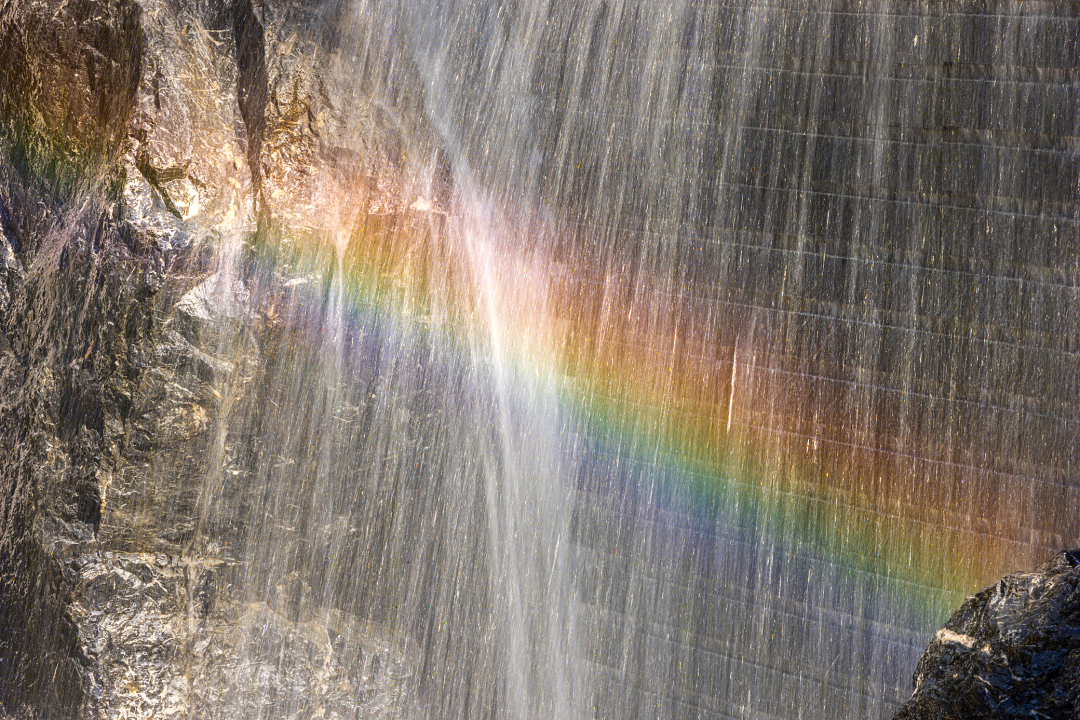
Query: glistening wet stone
1011 650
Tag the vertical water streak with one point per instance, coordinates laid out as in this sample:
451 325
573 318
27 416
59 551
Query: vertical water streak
527 478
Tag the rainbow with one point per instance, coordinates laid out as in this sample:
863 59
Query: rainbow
641 368
684 412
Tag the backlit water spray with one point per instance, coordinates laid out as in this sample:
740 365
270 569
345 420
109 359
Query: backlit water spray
675 359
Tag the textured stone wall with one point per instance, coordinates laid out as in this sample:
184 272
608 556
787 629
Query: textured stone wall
77 300
138 138
1011 650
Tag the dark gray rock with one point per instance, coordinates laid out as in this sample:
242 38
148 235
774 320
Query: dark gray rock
1012 650
251 84
71 72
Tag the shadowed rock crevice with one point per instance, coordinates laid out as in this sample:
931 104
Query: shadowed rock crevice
252 89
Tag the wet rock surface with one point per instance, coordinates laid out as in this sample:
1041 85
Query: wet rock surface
71 75
167 639
153 154
78 299
137 140
1012 650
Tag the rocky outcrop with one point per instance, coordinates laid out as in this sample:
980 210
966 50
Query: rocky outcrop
76 304
71 73
1012 650
140 140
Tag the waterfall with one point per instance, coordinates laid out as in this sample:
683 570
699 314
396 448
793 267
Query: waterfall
574 359
693 390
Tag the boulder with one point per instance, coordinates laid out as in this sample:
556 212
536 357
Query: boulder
1012 650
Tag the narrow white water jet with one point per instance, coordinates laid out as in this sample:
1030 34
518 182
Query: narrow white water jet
527 477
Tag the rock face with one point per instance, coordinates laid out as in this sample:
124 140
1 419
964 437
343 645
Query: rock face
76 304
1010 651
137 139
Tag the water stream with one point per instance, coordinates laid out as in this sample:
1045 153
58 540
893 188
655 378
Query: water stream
721 350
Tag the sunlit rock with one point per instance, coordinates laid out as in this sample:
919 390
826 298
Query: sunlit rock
1012 650
71 75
